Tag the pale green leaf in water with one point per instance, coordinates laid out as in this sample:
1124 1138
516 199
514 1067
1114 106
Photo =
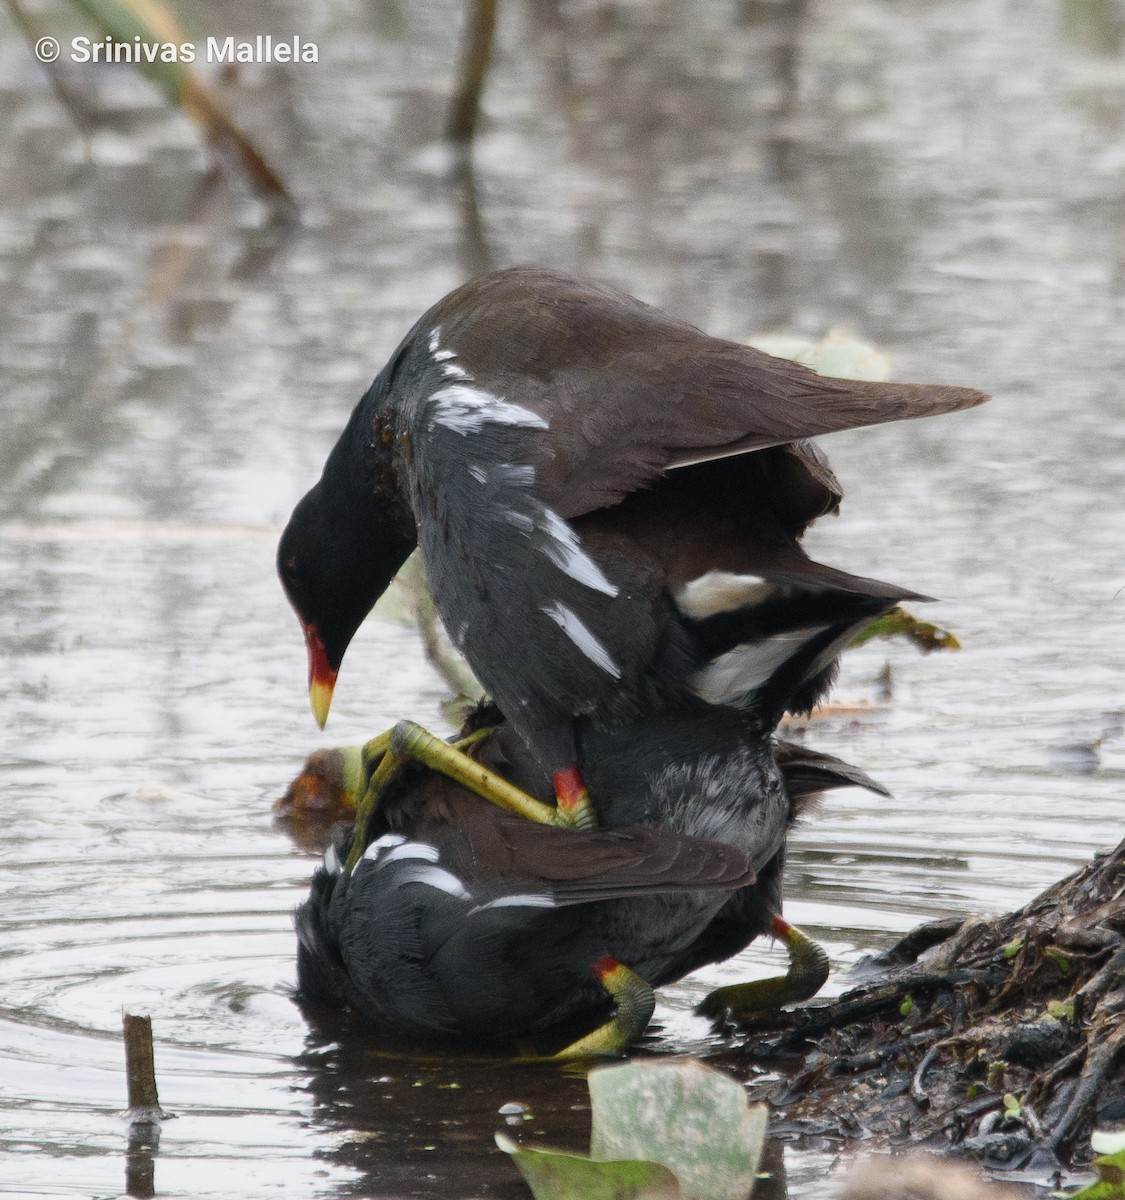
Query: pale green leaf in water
1059 959
694 1120
837 354
407 602
399 603
1110 1184
925 635
557 1175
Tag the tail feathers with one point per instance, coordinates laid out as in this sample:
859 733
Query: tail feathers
321 973
774 401
769 643
808 772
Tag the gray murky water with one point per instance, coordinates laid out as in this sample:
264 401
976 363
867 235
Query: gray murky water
944 179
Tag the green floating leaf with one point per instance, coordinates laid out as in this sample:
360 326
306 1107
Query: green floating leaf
669 1130
1110 1184
407 601
1099 1190
837 354
398 605
907 1005
1058 958
694 1120
1013 947
1062 1010
557 1175
899 623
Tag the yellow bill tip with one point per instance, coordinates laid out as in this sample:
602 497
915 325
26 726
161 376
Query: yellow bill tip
320 700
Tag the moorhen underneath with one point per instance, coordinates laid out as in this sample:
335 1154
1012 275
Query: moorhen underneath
461 921
608 503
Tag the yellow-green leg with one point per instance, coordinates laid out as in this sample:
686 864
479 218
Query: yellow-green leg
808 970
635 1002
385 756
383 768
410 741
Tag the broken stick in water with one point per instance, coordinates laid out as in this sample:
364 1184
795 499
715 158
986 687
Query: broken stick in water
140 1070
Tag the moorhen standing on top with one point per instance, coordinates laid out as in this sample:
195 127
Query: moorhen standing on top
607 501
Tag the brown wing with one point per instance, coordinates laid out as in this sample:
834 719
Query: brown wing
630 392
481 843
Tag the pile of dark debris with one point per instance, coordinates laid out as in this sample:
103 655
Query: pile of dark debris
1004 1038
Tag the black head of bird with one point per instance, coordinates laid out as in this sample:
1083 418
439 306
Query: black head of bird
332 578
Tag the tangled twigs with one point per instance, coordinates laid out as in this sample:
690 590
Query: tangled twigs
1099 1062
1005 1036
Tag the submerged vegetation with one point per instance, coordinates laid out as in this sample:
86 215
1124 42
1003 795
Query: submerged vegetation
169 61
155 24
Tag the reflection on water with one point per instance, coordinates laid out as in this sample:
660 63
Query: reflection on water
945 179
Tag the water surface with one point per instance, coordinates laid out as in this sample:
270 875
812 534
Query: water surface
945 180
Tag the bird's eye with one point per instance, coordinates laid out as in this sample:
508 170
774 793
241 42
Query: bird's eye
289 572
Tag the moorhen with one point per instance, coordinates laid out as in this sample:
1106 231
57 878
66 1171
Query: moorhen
608 503
461 921
512 925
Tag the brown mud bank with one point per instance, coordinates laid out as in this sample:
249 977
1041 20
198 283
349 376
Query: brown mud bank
1003 1038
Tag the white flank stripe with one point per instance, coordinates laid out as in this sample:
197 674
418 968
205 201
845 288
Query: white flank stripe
332 861
442 355
521 521
422 850
465 409
435 339
525 900
478 473
732 677
435 877
514 475
565 551
721 591
387 842
582 637
453 371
